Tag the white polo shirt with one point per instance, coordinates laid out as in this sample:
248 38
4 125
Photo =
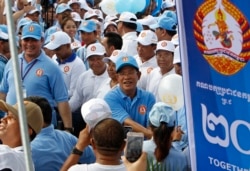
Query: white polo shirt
12 158
86 88
72 68
153 81
129 43
145 68
104 88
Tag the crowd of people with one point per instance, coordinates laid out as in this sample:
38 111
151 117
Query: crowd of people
87 75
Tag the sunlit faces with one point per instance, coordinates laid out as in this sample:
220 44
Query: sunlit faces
34 17
111 28
119 28
63 51
61 16
96 64
75 7
111 70
31 47
146 52
165 59
88 38
70 28
9 126
128 77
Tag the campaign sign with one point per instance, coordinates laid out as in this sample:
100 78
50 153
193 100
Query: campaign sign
215 52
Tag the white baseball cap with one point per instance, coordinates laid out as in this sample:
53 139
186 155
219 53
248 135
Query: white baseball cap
110 18
90 13
84 5
108 23
175 39
76 16
74 2
94 111
147 37
165 45
177 58
114 56
95 49
127 17
148 20
57 39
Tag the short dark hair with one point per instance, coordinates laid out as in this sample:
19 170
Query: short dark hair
108 136
114 39
132 26
45 107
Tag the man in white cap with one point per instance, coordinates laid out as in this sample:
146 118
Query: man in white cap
89 82
70 64
146 46
127 29
11 150
106 136
164 55
75 5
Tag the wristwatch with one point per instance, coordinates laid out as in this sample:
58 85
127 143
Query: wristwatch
76 151
71 130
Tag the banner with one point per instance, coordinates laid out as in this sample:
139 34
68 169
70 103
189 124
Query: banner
215 49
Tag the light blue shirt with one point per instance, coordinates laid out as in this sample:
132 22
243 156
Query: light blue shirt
182 122
124 107
175 160
51 148
40 77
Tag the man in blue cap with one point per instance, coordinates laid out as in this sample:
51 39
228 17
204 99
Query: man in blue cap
39 75
129 104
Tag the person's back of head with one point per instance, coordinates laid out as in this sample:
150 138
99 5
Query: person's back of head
108 136
162 123
114 39
45 107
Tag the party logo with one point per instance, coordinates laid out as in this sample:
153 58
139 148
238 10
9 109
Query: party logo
222 35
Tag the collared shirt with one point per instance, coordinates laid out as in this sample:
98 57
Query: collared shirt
3 62
12 158
43 78
52 147
40 77
145 68
124 107
71 68
154 79
86 88
104 88
129 43
175 159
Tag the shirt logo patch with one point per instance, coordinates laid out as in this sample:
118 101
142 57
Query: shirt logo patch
115 53
39 72
66 69
149 70
142 109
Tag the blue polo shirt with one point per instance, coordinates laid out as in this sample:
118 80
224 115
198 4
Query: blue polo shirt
40 77
124 107
51 148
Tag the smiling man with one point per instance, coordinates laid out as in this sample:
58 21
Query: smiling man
129 104
40 75
11 151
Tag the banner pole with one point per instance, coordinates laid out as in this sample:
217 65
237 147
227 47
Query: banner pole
18 87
